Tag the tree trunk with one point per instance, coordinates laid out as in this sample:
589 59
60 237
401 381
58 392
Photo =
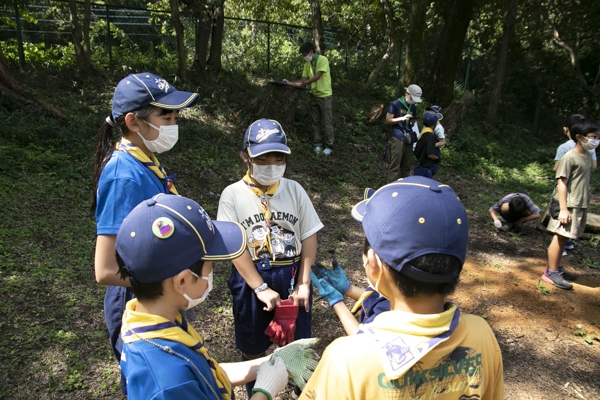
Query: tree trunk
390 33
13 89
201 33
454 113
414 45
278 103
86 46
507 38
179 37
216 44
439 87
317 21
76 36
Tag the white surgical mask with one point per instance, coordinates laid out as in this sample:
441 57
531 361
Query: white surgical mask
410 100
308 58
195 302
166 139
590 145
267 174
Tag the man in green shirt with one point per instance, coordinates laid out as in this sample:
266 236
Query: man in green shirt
316 74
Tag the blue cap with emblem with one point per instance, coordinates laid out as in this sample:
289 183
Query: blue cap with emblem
411 217
145 89
166 234
265 136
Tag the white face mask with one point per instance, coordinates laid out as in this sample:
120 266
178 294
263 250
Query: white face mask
591 144
267 174
166 139
195 302
409 100
308 58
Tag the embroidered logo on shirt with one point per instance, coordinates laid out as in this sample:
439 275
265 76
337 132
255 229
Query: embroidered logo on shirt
163 228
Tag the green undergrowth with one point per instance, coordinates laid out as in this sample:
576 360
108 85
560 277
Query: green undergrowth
51 320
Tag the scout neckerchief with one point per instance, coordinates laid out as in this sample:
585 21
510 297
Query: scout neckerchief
141 326
356 307
264 205
425 130
415 336
405 104
151 163
313 64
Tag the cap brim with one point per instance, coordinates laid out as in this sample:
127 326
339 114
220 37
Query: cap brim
359 210
176 100
417 99
260 149
229 241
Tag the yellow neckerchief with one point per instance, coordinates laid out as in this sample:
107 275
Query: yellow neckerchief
425 130
151 163
149 326
404 338
264 205
356 307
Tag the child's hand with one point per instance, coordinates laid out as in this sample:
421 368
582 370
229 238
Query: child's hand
301 296
498 224
270 298
336 276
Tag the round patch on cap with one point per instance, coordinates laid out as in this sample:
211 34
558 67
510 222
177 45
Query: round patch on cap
163 228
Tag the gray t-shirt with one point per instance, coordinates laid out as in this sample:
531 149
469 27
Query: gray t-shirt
577 169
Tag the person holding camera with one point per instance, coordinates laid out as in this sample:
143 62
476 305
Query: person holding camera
401 115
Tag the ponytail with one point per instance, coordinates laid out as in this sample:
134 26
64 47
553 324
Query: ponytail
106 139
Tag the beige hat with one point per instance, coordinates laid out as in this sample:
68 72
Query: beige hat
415 92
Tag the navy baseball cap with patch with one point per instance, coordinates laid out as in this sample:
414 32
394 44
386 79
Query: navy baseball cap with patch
167 234
430 118
145 89
437 110
411 217
265 136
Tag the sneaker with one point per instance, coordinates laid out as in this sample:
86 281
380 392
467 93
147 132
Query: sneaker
327 151
570 245
556 279
317 149
567 275
565 252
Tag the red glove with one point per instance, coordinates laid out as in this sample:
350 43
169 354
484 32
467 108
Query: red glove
281 329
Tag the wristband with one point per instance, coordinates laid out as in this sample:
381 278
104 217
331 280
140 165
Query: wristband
254 390
261 288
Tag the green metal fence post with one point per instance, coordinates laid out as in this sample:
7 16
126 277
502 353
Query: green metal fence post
19 37
108 38
538 107
468 74
268 47
347 55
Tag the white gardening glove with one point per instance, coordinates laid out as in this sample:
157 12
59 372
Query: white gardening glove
300 359
498 224
271 378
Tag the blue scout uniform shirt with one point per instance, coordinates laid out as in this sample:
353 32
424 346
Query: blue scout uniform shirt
152 373
397 109
372 306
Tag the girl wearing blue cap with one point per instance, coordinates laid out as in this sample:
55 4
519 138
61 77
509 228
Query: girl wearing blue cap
143 121
282 225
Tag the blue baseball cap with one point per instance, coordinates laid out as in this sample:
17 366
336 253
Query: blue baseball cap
411 217
437 110
166 234
265 136
430 118
144 89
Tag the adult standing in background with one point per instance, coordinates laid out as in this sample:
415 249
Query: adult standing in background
316 74
399 115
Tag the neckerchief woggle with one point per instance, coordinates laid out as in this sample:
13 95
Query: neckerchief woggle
264 206
151 163
416 336
149 326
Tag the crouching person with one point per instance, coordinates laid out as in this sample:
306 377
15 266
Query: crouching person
166 247
424 347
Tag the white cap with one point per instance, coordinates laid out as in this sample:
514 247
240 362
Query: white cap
415 92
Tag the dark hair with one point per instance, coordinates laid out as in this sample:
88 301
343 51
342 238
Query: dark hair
432 263
246 157
106 138
583 127
572 120
517 205
308 47
151 290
